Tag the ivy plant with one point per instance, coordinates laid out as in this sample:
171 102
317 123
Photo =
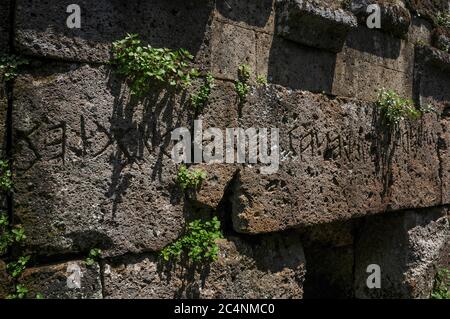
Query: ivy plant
395 109
199 243
9 66
241 85
199 98
93 256
190 179
441 285
144 65
5 176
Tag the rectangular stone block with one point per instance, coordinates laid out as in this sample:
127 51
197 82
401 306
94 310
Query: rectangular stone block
92 165
432 80
407 246
41 29
231 46
337 161
257 15
294 66
371 60
314 24
272 267
69 280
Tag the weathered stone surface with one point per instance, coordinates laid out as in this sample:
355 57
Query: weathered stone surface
312 24
269 267
41 27
371 60
258 15
4 26
231 46
427 8
432 77
420 31
92 167
337 161
295 66
407 246
60 281
441 39
395 18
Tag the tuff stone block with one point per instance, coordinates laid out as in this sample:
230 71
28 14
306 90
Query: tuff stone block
337 162
294 66
270 267
69 280
432 78
41 30
258 15
407 247
395 18
371 60
92 164
231 46
314 24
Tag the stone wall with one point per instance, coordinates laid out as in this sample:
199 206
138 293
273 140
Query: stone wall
92 166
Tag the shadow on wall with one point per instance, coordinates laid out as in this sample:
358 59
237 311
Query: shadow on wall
141 129
254 13
295 65
172 24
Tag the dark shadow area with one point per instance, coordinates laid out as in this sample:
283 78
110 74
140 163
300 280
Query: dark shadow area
383 141
254 13
299 67
329 272
83 241
374 42
160 23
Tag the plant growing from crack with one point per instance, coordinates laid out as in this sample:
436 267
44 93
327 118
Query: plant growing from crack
145 65
94 255
199 98
9 236
241 84
15 269
261 80
20 292
190 179
9 67
441 287
395 109
443 19
199 242
5 176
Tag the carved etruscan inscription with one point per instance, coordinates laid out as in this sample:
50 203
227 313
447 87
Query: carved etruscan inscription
355 145
338 161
